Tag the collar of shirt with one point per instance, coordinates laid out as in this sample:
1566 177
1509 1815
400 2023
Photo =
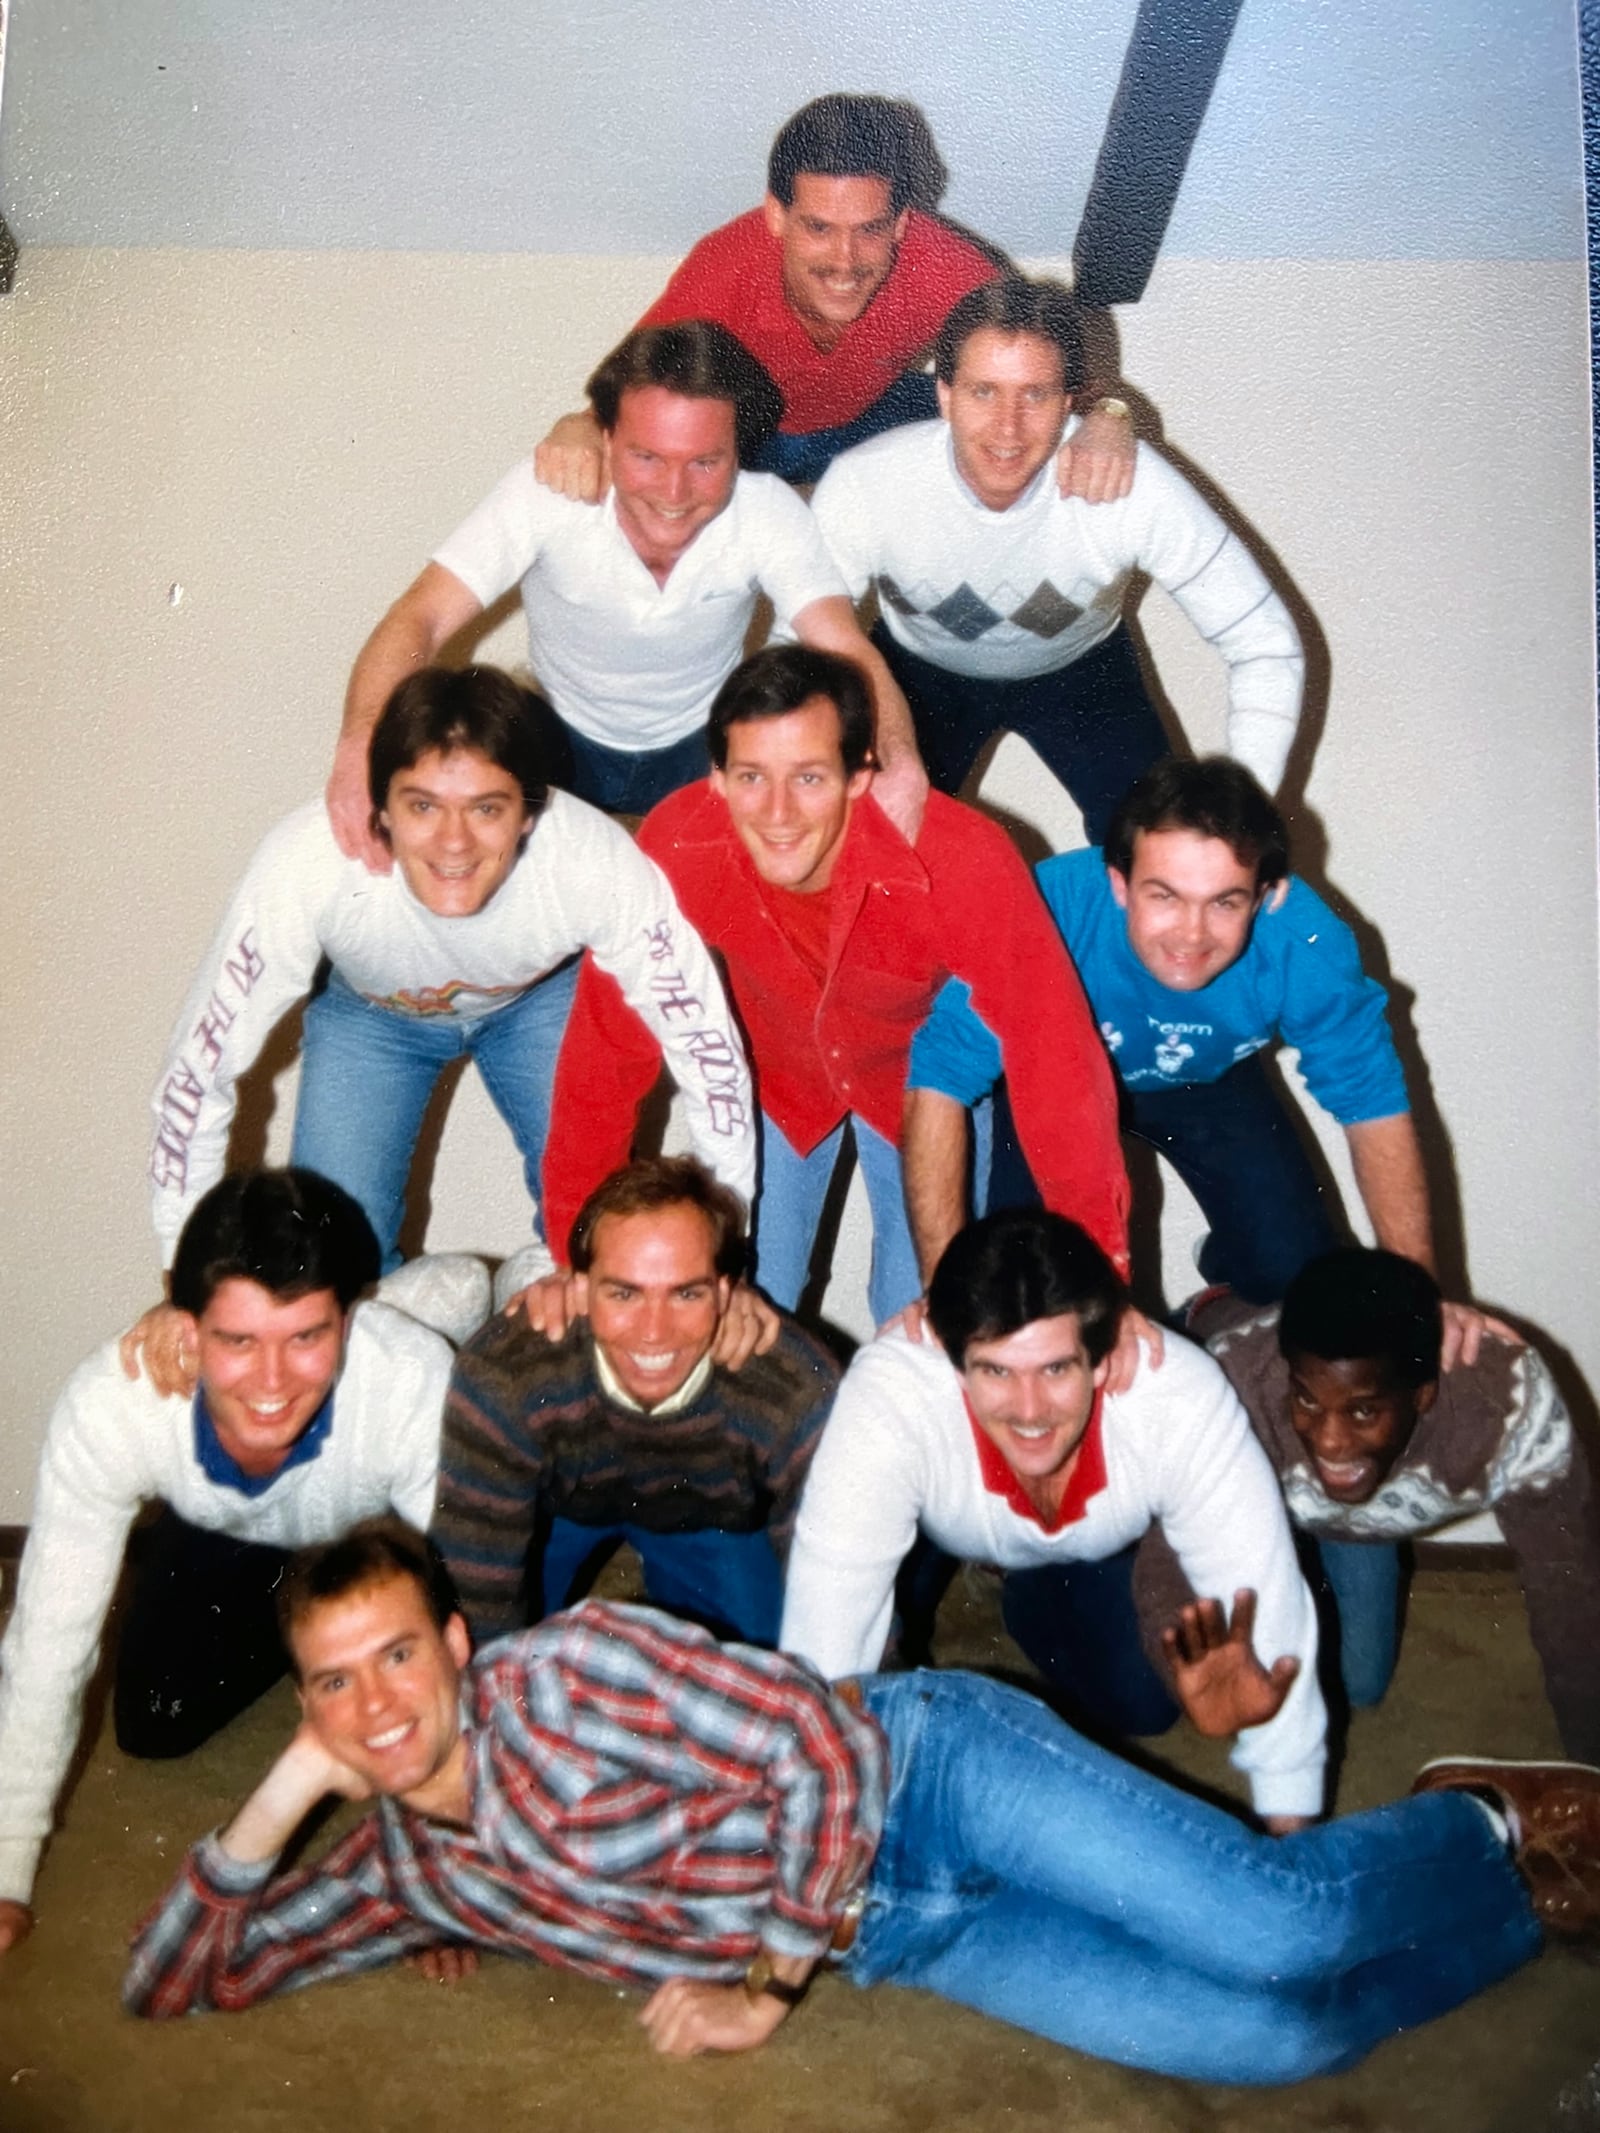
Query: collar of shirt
1084 1483
705 552
219 1465
675 1402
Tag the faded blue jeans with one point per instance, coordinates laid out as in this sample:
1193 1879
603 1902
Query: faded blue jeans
366 1074
1031 1875
789 1208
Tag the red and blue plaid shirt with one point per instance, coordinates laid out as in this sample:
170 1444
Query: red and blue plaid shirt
646 1804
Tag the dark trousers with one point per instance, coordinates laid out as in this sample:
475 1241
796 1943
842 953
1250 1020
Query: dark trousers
199 1639
805 455
1236 1148
1092 722
1078 1624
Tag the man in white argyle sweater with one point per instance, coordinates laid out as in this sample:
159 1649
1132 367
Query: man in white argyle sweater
1002 601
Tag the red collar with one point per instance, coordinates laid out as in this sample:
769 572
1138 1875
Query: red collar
1087 1479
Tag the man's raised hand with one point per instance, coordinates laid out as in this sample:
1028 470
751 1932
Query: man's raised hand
1221 1684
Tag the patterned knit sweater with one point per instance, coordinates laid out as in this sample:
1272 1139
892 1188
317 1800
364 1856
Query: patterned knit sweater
530 1435
1498 1438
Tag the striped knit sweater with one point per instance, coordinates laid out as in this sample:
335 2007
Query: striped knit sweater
529 1435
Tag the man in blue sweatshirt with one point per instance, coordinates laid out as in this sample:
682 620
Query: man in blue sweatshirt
1201 954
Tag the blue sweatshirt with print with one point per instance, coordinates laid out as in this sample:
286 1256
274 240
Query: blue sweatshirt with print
1299 982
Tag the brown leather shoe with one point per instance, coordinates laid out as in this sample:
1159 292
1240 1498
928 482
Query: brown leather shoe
1554 1814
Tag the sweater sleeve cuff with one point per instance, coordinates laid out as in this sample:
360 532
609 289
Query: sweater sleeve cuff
1288 1792
19 1862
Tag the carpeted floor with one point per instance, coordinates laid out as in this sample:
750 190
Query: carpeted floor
519 2047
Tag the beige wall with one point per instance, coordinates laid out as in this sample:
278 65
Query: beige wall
284 436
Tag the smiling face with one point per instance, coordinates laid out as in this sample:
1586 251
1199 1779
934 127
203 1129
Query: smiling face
655 1297
1032 1394
674 461
1006 407
1354 1420
839 237
456 824
266 1367
1191 902
788 793
379 1682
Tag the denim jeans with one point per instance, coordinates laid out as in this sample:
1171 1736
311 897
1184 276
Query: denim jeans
627 781
789 1207
1236 1148
1092 722
1360 1585
1033 1876
366 1074
805 455
730 1582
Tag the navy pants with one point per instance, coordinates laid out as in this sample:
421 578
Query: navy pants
1092 722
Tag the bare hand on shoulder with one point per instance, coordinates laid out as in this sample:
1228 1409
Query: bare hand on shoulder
1134 1332
1465 1329
901 790
574 459
750 1326
1097 461
551 1304
163 1344
348 800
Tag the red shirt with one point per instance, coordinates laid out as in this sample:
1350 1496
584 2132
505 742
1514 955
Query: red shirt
1084 1483
962 904
735 278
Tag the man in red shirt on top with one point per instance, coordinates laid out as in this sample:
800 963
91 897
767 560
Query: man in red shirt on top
839 285
835 935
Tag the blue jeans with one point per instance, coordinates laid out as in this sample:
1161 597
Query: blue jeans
1092 722
730 1582
1362 1580
627 781
805 455
789 1208
1033 1876
366 1074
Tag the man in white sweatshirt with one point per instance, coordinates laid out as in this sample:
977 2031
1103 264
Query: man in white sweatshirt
1002 602
311 1412
469 947
1000 1445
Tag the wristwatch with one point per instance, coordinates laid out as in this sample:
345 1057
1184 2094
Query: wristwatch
761 1978
1109 404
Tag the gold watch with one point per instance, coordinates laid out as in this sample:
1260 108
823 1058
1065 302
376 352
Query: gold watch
1111 405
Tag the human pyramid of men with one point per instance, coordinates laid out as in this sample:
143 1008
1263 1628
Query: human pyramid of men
399 1486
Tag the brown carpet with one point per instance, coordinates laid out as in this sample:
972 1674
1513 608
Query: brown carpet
519 2047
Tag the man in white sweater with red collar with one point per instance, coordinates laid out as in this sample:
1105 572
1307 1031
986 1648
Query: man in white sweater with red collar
311 1411
999 1444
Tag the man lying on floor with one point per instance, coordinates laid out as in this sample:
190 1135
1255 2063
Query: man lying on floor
615 1792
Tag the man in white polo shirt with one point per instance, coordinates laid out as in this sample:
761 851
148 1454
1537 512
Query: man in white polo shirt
637 610
1000 1444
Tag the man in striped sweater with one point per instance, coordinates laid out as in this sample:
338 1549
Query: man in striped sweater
555 1450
